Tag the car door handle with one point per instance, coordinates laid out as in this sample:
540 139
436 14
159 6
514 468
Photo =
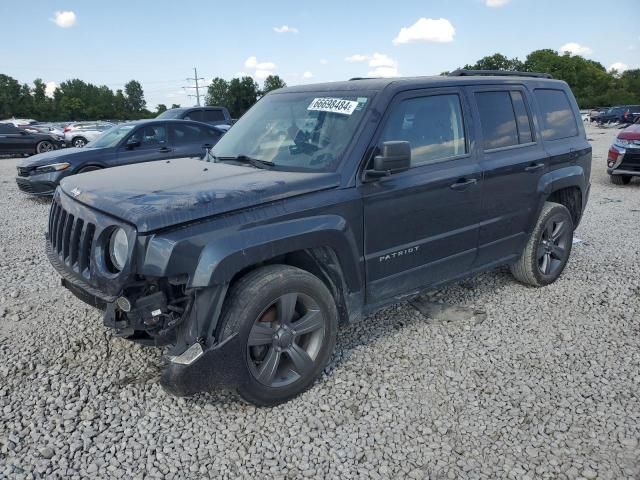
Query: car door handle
165 150
463 184
534 167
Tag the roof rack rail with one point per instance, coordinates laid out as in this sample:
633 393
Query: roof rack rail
361 78
461 72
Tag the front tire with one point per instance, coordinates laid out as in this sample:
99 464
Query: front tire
286 320
548 249
620 179
44 146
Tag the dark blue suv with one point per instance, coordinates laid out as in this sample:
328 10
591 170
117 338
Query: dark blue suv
322 204
134 142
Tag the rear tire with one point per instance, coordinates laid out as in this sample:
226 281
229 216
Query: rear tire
620 179
44 146
79 142
286 320
548 249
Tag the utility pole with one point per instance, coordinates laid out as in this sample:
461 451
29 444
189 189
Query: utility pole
197 87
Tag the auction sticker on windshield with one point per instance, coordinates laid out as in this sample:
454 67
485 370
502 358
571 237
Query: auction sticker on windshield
333 105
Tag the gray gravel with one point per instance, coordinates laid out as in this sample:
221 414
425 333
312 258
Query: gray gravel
542 383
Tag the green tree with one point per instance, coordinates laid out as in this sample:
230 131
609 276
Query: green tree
497 61
272 82
25 102
120 105
9 94
217 92
243 93
135 97
175 105
161 108
42 105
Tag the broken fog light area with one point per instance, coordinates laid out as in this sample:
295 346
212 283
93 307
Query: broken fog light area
123 304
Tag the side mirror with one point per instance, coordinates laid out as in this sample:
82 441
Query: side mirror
131 144
22 132
394 158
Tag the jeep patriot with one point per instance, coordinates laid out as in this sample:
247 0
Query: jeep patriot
322 204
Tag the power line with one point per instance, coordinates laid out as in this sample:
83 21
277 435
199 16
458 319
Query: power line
197 87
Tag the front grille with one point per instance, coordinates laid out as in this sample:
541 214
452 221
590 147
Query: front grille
631 160
25 185
71 238
23 171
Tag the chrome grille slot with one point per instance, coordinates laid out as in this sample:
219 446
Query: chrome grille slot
74 242
71 238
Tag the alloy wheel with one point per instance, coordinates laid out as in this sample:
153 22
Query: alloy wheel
285 340
553 247
45 147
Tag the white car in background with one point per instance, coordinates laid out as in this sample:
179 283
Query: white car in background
79 134
19 122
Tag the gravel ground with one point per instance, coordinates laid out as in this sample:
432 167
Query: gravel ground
545 385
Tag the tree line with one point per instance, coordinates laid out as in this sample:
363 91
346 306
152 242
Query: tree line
78 100
592 85
71 100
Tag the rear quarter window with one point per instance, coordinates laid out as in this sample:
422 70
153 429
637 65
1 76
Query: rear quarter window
558 121
214 116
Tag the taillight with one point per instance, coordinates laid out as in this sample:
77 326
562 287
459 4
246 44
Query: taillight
66 129
615 156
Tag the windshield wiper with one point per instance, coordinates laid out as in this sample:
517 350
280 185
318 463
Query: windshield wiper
256 162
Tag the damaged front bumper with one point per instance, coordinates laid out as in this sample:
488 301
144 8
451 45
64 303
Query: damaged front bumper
200 369
197 361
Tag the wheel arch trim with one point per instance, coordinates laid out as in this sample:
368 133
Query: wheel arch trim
220 261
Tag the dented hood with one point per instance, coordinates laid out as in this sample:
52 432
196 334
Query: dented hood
156 195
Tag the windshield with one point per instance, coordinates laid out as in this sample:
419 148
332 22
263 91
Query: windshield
305 131
111 137
171 113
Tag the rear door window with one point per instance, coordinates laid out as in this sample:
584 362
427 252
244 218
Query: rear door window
558 120
214 116
8 129
184 134
498 119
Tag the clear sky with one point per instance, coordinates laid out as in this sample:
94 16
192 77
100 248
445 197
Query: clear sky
159 42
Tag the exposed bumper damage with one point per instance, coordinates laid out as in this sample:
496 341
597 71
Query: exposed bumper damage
157 313
199 370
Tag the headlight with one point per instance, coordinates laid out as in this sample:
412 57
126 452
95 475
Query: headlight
54 167
622 143
118 248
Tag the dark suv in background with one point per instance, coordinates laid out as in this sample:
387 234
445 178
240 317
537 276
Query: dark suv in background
124 144
621 114
325 202
211 115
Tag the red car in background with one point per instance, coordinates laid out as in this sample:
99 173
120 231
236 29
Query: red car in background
623 161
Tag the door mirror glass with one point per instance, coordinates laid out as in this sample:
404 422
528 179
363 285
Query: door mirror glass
395 156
